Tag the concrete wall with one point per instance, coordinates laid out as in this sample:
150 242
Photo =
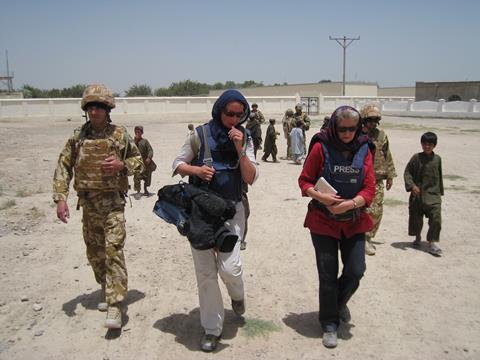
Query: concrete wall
401 106
434 91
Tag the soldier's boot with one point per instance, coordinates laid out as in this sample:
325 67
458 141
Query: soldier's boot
114 316
369 247
416 242
146 193
102 305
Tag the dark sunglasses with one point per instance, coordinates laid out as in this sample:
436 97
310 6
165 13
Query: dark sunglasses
232 114
342 129
372 119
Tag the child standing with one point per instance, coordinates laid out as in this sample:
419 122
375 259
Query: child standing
270 146
424 181
297 142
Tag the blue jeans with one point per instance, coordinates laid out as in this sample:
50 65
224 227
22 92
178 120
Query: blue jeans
335 292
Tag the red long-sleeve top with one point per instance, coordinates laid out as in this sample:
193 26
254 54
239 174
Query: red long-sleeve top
316 221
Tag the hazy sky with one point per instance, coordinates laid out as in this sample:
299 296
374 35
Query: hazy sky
121 43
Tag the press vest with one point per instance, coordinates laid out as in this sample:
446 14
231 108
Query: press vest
89 155
344 175
227 180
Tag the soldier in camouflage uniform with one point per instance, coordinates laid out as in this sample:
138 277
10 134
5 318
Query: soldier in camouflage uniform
147 154
257 114
288 123
303 117
383 166
253 125
100 156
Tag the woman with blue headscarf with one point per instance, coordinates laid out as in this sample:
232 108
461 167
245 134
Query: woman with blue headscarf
341 155
220 156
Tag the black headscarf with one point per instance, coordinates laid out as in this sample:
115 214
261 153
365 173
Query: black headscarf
330 139
218 130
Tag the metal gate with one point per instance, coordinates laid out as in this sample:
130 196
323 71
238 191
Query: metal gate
310 105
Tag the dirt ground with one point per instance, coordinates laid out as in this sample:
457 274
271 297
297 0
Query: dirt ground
410 305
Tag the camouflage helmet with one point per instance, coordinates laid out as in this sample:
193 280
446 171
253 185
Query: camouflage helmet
299 106
97 93
289 112
254 105
370 111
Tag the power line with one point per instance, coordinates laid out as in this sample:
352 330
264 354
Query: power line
344 45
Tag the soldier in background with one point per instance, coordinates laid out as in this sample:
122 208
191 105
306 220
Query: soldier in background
147 155
100 156
288 123
303 117
257 114
383 166
253 125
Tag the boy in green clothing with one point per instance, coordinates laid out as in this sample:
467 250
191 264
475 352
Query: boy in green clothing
423 179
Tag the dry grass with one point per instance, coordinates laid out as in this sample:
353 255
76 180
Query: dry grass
7 204
23 193
394 202
453 177
257 327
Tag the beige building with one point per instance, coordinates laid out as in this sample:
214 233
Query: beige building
310 90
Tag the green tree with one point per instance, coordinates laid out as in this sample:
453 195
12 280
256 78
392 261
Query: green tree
139 90
230 84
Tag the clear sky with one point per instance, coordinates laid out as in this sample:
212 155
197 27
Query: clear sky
121 43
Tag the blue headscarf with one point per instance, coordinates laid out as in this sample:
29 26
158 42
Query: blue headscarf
218 131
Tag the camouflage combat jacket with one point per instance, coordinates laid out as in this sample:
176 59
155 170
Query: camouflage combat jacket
382 161
70 160
304 118
259 116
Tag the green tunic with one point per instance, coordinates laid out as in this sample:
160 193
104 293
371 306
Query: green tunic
426 173
147 153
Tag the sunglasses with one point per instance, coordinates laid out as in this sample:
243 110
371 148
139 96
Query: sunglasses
373 119
342 129
234 114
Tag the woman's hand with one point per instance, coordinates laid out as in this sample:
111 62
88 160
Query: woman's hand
341 207
205 172
237 137
324 198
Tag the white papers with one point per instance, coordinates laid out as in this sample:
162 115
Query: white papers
323 186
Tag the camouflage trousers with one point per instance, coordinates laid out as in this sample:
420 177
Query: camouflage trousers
146 176
376 208
104 234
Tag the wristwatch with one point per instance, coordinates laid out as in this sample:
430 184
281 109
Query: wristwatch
242 154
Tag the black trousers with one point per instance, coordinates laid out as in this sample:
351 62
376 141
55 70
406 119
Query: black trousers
334 291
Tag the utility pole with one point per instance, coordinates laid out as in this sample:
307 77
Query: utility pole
8 78
344 44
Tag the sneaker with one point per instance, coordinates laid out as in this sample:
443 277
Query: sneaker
416 242
434 249
102 305
243 245
329 339
369 248
238 307
344 314
114 317
209 342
